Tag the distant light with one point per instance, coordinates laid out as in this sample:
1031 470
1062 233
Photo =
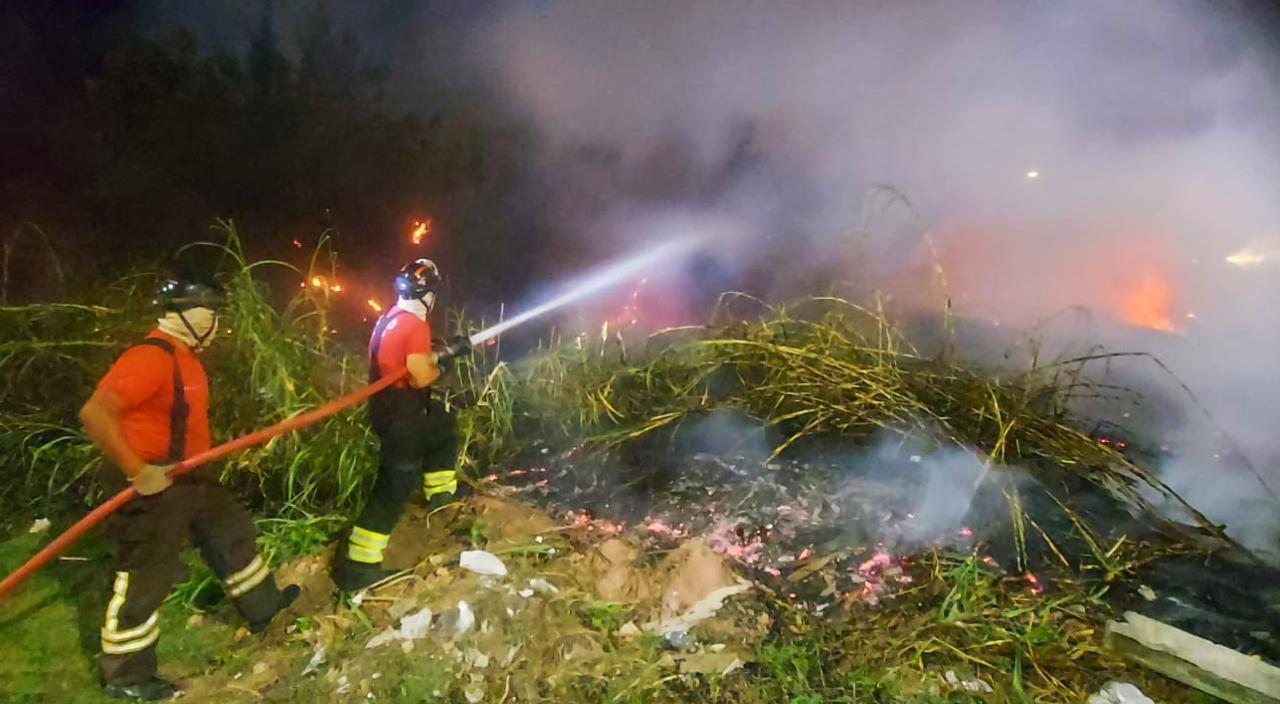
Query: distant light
317 282
1247 257
1033 175
336 288
376 306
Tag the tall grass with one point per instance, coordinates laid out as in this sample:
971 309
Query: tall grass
820 370
265 366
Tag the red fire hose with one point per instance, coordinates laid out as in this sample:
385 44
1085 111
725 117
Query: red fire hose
255 438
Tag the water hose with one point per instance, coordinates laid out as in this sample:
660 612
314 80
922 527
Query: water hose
106 508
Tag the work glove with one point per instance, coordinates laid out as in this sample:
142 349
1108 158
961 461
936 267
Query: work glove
456 347
152 479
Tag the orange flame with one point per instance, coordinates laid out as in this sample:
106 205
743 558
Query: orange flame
420 230
375 306
317 281
1149 304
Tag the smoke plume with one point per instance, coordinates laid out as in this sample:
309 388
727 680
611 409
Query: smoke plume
1104 155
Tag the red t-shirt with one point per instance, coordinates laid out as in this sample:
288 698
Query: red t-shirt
403 335
142 380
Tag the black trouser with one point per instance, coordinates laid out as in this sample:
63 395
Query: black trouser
149 533
419 445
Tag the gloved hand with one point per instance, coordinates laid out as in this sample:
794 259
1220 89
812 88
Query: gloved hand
152 479
457 347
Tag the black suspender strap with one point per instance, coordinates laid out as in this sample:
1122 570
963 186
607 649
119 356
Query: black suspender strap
375 372
179 411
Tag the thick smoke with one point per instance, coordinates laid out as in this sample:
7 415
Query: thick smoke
1107 155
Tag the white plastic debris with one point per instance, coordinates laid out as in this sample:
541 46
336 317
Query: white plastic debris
317 659
511 656
412 627
39 526
456 621
415 626
542 586
474 692
386 636
344 685
699 612
973 685
481 562
526 593
1147 593
1120 693
476 659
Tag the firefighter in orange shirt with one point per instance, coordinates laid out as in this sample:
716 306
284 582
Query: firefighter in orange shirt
418 435
149 412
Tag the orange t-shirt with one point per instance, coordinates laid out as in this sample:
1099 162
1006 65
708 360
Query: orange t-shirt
142 380
403 335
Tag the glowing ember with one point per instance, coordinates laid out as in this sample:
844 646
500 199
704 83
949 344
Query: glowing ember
966 532
727 540
880 559
661 527
297 244
375 306
1033 583
420 230
1149 304
317 281
1246 258
336 287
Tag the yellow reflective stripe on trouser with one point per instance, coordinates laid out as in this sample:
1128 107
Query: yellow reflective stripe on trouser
129 640
444 481
366 545
251 576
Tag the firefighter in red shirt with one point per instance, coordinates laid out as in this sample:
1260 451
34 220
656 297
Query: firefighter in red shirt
418 436
149 412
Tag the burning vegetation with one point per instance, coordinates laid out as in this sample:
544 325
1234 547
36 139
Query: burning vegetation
791 503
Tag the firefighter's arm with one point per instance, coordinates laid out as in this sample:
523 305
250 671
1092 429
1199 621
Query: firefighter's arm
423 371
101 418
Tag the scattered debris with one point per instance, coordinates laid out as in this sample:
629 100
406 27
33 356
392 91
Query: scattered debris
484 563
412 627
39 526
317 659
543 587
711 663
456 621
1120 693
1147 593
700 611
970 685
1192 660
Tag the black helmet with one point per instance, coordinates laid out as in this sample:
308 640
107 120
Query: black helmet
185 294
417 279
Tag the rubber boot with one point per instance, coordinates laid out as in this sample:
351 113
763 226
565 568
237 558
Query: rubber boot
287 596
153 690
351 576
